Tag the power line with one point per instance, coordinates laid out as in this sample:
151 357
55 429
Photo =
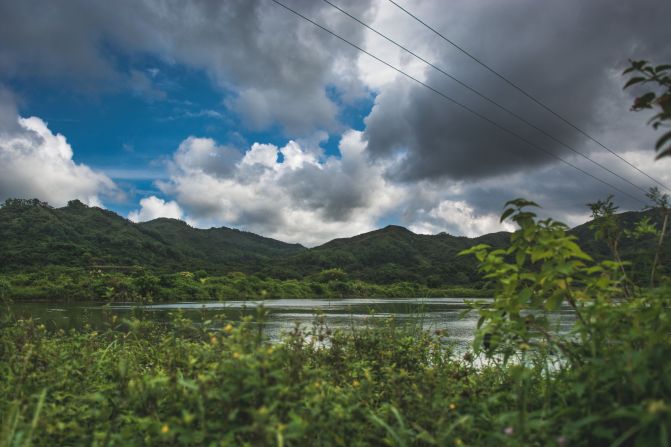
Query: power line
454 101
486 98
525 93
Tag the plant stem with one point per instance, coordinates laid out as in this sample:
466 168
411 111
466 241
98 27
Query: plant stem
659 249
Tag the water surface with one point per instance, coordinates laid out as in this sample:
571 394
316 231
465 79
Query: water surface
282 315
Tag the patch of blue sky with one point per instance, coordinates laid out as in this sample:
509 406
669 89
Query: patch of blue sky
130 129
351 116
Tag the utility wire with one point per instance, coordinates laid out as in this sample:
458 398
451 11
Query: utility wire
525 93
486 98
454 101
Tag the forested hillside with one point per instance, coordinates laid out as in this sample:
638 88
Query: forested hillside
392 254
34 235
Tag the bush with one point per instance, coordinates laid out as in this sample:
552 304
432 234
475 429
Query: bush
609 378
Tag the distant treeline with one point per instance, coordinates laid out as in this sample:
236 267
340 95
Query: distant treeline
141 285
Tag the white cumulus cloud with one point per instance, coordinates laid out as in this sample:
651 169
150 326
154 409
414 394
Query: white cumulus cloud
36 163
289 192
152 208
461 218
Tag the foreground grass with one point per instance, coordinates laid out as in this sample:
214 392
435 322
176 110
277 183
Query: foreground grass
149 384
141 383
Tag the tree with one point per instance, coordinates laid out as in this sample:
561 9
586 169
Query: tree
660 77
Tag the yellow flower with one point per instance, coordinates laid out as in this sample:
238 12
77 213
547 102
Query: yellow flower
165 429
453 406
656 406
236 355
228 328
355 383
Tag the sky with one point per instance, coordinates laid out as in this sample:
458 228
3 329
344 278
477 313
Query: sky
239 113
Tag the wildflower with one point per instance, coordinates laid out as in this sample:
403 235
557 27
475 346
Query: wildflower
656 406
509 431
165 429
236 355
453 406
228 328
355 383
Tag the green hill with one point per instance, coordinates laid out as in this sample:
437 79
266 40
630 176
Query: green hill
34 235
389 255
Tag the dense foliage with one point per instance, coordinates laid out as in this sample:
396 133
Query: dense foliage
657 96
195 386
140 285
142 383
614 366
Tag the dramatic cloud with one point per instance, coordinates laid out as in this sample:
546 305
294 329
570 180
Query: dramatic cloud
152 208
418 161
472 208
301 198
565 56
294 194
273 66
36 163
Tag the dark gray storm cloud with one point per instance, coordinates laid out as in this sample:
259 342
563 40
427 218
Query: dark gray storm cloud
275 65
8 113
566 53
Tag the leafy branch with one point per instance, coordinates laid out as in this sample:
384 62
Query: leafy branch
660 76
